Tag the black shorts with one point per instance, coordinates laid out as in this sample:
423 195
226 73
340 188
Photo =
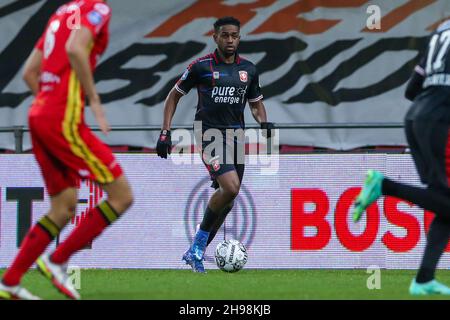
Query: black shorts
223 153
429 142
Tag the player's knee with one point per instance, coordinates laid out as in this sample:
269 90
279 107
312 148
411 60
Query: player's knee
61 215
231 190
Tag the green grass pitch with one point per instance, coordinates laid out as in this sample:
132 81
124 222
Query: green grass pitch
247 284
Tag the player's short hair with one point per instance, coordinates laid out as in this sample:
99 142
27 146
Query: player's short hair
226 21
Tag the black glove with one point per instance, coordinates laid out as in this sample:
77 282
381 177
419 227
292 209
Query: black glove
164 145
269 126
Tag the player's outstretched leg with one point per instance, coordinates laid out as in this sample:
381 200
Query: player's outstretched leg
219 222
229 189
96 221
370 192
188 258
63 207
36 241
437 239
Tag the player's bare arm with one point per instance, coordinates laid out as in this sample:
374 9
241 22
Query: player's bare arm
32 70
78 53
164 145
258 111
170 105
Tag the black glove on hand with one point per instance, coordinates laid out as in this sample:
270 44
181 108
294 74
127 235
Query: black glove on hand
164 145
269 126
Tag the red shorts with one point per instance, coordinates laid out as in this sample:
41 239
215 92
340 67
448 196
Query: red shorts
68 152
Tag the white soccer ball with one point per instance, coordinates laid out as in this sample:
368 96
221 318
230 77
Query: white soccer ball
231 255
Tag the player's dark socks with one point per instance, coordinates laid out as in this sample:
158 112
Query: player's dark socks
33 245
209 220
425 275
437 240
428 199
96 220
219 223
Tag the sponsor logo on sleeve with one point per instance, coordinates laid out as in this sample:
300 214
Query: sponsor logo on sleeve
95 18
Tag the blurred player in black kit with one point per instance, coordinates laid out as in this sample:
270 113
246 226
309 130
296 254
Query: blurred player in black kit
225 82
427 129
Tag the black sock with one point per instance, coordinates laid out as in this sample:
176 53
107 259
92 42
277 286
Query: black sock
209 219
428 199
437 240
219 223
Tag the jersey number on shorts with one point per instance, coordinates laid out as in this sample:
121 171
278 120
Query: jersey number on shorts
439 44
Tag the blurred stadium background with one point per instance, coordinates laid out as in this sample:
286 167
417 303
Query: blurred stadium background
332 83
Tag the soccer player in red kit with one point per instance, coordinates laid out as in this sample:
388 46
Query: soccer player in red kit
59 72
